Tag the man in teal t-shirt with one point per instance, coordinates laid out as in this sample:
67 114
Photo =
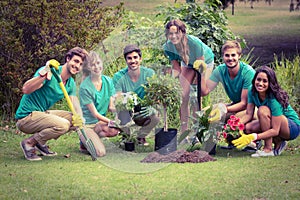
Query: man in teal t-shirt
40 93
131 79
235 76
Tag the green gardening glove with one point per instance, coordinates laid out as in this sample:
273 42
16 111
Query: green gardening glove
244 140
145 112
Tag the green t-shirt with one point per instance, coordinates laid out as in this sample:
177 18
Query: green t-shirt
234 87
100 98
275 107
123 83
197 49
45 97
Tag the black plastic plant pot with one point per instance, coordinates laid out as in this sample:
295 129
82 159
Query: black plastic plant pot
165 141
129 146
124 116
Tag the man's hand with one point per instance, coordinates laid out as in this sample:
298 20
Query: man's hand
217 112
244 140
144 112
46 71
77 121
200 65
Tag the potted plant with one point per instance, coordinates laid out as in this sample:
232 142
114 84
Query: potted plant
166 91
207 133
125 103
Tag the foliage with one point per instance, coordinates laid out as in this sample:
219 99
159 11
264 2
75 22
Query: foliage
206 22
126 101
287 73
49 29
163 90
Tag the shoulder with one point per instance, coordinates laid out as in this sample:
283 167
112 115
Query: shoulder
147 70
120 73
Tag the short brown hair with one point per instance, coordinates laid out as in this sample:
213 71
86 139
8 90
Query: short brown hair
76 51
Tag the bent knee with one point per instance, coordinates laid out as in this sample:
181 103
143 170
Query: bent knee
264 111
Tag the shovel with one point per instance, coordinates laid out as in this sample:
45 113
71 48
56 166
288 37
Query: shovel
89 143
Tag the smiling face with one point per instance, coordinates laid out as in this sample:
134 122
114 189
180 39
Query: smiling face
133 61
174 35
231 57
74 65
261 83
96 67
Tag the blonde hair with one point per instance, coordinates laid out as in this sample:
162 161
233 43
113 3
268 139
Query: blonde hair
232 44
183 48
91 59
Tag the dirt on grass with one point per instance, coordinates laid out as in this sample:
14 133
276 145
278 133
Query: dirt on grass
179 156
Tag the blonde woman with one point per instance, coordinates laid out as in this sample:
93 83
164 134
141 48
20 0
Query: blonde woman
96 99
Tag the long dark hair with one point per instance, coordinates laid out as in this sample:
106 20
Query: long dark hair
274 88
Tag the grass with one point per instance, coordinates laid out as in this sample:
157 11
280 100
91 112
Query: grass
119 175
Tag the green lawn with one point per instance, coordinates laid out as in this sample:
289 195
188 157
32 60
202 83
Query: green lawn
121 175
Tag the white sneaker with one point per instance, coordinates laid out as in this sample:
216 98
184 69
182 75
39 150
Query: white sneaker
260 153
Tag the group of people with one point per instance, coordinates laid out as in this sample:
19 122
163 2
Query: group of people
256 97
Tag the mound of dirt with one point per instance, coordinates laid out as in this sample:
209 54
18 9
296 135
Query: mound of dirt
179 156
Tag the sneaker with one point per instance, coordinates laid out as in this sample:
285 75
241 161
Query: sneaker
29 153
281 148
142 142
44 150
229 146
260 153
259 144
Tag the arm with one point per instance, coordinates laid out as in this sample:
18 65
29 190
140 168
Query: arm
111 106
207 85
249 113
242 105
76 105
96 114
33 84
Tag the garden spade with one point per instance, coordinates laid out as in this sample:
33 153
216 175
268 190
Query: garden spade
89 143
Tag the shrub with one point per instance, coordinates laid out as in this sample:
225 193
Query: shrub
49 29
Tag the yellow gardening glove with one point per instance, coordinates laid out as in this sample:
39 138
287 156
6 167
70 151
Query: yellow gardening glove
200 65
46 71
244 140
217 112
77 121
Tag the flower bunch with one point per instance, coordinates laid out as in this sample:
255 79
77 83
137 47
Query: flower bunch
232 129
126 101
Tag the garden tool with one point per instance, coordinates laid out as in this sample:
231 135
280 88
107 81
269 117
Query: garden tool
200 67
88 142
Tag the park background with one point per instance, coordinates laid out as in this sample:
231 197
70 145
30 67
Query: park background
235 175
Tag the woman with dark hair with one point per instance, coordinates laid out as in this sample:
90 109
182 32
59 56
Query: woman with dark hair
277 121
183 50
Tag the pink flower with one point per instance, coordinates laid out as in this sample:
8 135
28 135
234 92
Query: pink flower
241 127
224 134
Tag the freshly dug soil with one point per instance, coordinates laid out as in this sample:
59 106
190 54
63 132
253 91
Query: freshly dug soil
179 156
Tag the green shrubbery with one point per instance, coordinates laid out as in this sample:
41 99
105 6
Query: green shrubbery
287 72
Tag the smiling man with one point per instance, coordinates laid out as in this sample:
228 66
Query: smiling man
40 93
131 79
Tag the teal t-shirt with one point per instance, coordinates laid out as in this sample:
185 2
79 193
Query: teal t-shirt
100 98
45 97
123 83
197 49
234 87
275 107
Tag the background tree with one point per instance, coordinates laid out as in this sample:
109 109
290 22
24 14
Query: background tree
33 31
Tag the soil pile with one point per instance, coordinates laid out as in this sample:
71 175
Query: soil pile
179 156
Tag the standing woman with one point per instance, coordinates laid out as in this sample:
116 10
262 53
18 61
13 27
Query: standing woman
277 121
183 50
96 99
